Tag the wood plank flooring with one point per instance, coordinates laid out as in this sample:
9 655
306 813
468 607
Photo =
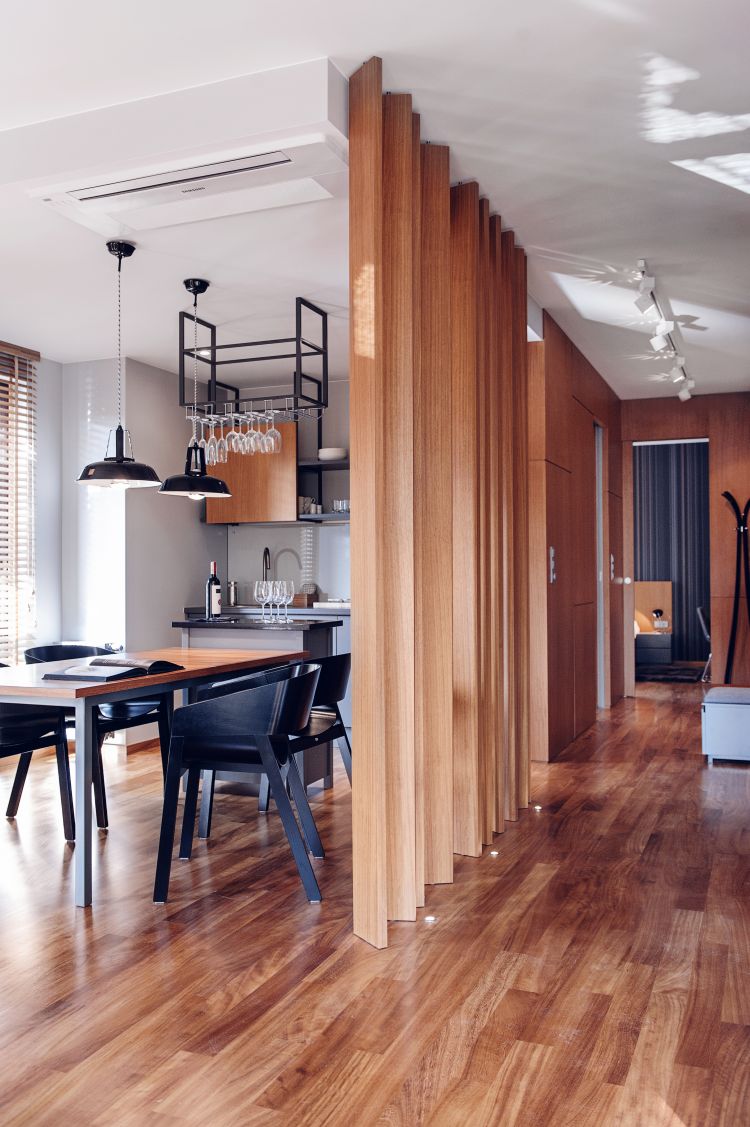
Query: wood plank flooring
595 971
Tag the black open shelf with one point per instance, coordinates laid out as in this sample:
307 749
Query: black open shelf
314 464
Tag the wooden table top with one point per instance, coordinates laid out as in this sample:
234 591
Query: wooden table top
28 680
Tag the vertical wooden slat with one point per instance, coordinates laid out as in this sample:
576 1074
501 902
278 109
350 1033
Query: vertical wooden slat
396 532
367 417
486 744
433 519
521 519
495 500
466 593
419 577
508 473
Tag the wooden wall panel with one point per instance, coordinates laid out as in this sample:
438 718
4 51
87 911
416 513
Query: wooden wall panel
367 417
561 655
508 470
616 600
467 835
539 615
628 563
558 441
434 425
583 515
584 636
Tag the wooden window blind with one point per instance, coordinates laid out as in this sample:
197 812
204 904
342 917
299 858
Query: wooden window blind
17 465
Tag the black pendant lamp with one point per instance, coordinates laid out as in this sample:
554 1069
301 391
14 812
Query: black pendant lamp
195 482
119 468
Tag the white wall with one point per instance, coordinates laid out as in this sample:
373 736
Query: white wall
48 502
168 549
93 534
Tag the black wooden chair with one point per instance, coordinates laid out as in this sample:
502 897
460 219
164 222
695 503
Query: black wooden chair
704 618
242 731
326 725
112 717
25 729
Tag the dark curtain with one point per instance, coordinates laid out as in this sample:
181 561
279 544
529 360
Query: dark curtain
671 534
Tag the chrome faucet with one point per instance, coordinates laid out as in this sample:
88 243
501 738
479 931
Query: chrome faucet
266 562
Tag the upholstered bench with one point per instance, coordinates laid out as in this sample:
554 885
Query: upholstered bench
726 723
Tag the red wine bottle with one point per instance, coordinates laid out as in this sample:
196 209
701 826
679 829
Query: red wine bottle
213 594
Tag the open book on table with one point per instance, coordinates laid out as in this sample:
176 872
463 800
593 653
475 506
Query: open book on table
114 667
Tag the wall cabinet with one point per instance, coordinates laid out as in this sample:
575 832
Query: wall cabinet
263 486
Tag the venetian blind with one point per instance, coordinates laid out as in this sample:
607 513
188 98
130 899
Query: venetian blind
17 458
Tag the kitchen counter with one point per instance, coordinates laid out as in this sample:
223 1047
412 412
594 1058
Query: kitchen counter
250 610
245 622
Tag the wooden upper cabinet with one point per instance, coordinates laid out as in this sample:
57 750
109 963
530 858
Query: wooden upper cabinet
263 486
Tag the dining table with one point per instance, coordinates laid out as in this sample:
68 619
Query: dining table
26 684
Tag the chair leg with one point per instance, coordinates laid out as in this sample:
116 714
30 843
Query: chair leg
263 793
166 708
309 829
207 804
97 781
188 817
284 806
22 771
346 752
66 790
168 821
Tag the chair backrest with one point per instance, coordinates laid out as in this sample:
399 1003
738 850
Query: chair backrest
250 681
59 651
705 622
333 680
280 708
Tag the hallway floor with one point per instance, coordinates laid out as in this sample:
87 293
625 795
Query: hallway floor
596 971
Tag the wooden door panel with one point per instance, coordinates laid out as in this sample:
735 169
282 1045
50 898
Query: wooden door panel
263 486
585 667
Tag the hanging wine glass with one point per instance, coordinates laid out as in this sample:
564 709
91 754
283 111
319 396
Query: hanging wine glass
211 446
221 446
272 437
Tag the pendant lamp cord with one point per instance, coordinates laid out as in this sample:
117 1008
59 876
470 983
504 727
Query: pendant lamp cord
195 367
119 340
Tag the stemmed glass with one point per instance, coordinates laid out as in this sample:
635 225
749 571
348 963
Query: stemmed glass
272 437
288 596
202 442
262 593
211 447
221 445
233 438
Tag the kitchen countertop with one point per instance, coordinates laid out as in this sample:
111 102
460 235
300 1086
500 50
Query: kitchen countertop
247 610
245 622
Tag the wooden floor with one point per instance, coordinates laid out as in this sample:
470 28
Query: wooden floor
596 971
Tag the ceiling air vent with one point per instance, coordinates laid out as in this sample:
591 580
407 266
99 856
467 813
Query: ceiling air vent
184 180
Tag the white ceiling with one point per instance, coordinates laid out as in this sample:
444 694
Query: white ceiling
563 113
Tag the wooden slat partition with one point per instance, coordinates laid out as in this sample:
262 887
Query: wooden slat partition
434 423
467 830
396 541
439 517
507 413
368 415
521 527
494 594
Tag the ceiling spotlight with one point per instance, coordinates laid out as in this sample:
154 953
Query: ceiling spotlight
644 302
679 361
684 394
665 327
658 342
690 384
646 283
676 375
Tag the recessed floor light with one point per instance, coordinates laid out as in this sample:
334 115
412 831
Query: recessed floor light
430 919
494 853
538 809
